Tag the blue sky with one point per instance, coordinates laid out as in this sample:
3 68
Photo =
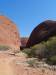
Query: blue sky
27 14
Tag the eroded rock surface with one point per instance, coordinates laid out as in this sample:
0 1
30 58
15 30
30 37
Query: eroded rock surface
23 42
42 32
9 35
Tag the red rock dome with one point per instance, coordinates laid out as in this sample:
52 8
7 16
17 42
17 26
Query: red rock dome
8 33
42 32
23 42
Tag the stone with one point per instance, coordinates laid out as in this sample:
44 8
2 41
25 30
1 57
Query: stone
42 32
23 42
9 35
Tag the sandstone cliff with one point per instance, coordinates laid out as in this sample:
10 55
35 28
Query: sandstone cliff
8 33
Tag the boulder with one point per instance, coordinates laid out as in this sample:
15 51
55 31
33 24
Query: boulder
42 32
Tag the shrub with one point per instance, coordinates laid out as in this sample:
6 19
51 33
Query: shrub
3 47
32 62
38 51
45 49
27 51
51 46
52 60
51 50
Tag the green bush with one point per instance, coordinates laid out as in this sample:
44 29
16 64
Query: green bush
3 47
51 46
38 51
51 50
45 49
27 51
32 62
51 60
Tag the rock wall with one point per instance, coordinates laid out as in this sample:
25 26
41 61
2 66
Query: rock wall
9 35
23 42
42 32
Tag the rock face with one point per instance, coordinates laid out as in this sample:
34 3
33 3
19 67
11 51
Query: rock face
8 33
23 42
42 32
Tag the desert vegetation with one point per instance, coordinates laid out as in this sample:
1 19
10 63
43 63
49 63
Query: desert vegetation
46 50
4 47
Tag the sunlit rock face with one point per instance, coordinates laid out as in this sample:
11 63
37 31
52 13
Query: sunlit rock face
23 42
9 35
42 32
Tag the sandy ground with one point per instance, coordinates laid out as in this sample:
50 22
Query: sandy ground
14 65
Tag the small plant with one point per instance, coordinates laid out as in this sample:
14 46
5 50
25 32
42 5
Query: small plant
32 63
3 47
52 60
27 51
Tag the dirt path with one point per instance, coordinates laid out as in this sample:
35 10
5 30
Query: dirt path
13 65
6 65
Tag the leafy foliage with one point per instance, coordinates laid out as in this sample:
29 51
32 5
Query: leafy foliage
51 60
45 49
27 51
38 50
